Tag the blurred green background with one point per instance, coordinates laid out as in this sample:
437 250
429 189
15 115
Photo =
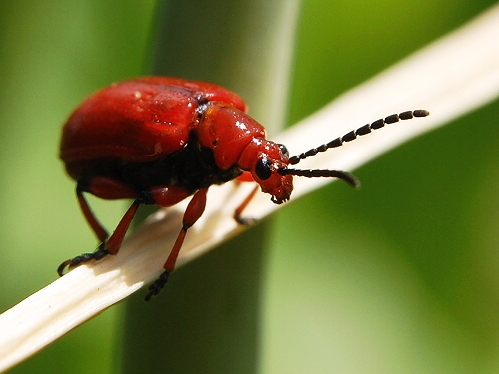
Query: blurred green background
398 277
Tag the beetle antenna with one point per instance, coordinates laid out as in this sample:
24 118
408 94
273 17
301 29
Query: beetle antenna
314 173
352 135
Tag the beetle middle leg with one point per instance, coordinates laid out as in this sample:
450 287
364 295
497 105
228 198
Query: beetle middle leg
194 210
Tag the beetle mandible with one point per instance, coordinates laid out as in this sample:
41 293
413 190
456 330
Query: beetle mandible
159 140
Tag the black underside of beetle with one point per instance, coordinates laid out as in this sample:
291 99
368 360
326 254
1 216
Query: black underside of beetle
191 168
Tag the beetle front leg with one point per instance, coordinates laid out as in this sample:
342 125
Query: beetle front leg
194 210
245 177
239 210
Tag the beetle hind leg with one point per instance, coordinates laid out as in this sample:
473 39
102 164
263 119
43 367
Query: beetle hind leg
109 244
71 263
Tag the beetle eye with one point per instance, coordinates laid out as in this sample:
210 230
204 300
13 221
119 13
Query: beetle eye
284 150
262 169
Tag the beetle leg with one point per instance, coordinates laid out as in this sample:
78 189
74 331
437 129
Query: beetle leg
97 228
237 214
110 246
106 188
194 210
113 244
245 177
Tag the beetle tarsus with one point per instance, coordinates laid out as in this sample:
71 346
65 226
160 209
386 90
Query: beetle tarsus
158 285
78 260
246 221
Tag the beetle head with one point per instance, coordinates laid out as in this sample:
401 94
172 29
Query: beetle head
268 161
265 160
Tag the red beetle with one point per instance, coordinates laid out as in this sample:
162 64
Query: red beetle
159 140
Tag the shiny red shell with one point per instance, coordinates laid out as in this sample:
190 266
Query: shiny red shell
145 119
138 120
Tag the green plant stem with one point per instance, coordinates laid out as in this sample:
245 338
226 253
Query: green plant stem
207 319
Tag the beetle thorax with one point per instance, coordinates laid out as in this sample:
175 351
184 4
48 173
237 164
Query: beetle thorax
227 131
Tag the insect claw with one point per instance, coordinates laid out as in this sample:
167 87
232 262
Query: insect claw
78 260
62 267
158 285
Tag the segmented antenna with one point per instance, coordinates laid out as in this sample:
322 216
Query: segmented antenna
320 173
352 135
